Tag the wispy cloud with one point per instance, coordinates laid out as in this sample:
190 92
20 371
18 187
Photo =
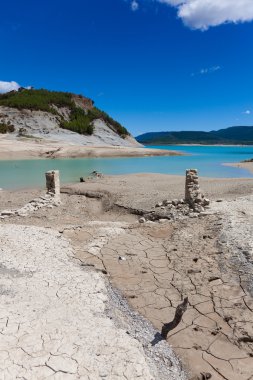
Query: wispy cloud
202 14
207 70
8 86
134 5
247 112
210 70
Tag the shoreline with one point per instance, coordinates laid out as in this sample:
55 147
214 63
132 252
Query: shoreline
64 152
231 145
25 150
241 165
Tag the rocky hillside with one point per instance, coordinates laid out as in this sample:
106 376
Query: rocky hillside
59 116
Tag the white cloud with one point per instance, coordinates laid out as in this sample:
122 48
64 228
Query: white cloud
207 70
8 86
201 14
134 5
247 112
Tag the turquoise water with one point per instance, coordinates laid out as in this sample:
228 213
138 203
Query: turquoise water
207 159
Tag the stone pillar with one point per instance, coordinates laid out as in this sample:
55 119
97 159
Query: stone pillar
193 195
53 182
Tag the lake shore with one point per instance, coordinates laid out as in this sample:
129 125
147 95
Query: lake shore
242 165
37 148
228 145
156 264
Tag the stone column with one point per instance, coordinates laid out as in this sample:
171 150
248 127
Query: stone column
193 195
53 182
191 185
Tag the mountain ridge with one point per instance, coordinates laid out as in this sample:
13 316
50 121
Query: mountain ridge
236 135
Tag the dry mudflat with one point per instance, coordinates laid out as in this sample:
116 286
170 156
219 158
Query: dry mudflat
70 252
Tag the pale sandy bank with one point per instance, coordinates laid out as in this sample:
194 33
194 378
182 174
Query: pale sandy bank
37 148
241 165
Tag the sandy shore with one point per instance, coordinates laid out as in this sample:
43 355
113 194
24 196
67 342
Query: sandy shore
37 148
242 165
155 264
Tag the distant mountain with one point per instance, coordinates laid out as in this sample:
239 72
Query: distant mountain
233 135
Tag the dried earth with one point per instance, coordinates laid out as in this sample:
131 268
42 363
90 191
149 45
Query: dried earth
155 265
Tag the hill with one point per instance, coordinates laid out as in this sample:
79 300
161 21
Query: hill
59 116
233 135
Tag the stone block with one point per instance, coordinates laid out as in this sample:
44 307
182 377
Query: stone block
53 182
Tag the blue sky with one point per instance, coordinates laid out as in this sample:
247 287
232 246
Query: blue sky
152 64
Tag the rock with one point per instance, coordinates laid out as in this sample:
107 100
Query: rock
175 202
159 204
7 213
193 271
162 221
166 202
142 220
202 376
122 258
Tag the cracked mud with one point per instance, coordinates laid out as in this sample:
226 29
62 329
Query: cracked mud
162 264
63 297
53 323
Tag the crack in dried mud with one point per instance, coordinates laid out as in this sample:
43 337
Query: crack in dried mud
164 264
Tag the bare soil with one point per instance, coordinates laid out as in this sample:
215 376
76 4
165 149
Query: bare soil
155 265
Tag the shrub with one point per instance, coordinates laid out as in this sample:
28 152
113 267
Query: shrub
113 124
79 122
37 100
6 128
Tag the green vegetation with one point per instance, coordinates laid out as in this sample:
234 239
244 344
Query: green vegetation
37 100
233 135
117 127
250 160
6 128
81 120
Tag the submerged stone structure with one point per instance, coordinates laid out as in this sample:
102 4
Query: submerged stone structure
193 195
53 182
